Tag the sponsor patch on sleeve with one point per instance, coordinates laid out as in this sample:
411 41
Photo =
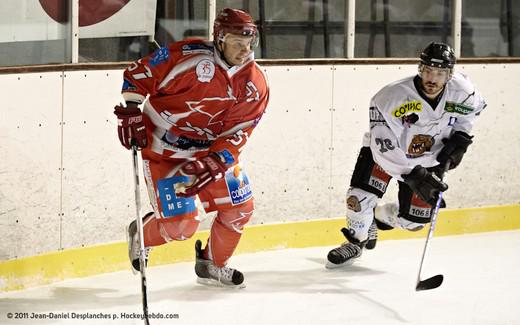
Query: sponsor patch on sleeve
376 118
452 107
128 86
161 55
197 48
238 186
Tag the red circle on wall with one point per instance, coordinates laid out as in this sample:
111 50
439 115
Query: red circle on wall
90 11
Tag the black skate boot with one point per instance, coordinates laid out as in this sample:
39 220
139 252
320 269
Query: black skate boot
372 236
346 253
134 247
209 274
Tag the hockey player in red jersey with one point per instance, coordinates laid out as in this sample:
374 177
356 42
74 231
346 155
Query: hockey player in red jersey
417 124
205 99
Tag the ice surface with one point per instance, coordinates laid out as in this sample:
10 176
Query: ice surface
292 286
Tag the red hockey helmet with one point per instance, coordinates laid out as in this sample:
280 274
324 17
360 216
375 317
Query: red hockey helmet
234 21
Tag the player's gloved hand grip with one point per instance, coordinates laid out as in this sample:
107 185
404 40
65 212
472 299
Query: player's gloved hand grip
454 148
130 127
425 184
201 172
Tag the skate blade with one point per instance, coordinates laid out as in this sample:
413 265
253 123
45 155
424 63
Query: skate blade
215 283
331 265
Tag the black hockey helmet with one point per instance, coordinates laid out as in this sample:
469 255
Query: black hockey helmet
439 55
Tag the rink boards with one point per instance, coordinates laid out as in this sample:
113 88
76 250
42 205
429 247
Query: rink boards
66 192
47 268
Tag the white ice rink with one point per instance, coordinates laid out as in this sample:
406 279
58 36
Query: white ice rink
481 286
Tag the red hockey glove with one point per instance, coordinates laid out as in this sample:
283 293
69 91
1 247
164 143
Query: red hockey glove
130 127
202 172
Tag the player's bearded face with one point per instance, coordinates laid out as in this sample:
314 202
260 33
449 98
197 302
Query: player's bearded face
236 48
433 79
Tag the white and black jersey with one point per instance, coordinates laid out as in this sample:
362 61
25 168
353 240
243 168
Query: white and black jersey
407 131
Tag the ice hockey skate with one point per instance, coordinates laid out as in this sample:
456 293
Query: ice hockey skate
209 274
346 254
134 247
372 236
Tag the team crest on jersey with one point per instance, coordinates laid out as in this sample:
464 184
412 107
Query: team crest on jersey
353 203
406 108
205 70
419 145
452 107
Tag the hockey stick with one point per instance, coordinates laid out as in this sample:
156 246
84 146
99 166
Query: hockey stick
142 252
436 280
140 227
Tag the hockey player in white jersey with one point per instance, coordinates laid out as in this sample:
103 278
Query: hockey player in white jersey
417 124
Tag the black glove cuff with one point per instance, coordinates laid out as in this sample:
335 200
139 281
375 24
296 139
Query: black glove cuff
418 173
461 139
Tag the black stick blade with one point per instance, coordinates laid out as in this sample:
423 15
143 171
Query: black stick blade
430 283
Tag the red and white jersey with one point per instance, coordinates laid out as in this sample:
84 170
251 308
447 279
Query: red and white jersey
196 104
405 131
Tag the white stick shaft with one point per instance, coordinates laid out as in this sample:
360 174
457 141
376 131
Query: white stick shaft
139 220
432 224
430 234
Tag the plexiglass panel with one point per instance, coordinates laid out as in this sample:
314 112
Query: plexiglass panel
34 32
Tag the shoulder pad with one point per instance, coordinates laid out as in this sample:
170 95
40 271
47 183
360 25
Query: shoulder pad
464 98
397 85
460 82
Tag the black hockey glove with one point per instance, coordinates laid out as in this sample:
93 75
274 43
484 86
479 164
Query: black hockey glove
454 148
426 185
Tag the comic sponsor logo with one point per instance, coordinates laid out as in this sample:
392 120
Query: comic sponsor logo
405 108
